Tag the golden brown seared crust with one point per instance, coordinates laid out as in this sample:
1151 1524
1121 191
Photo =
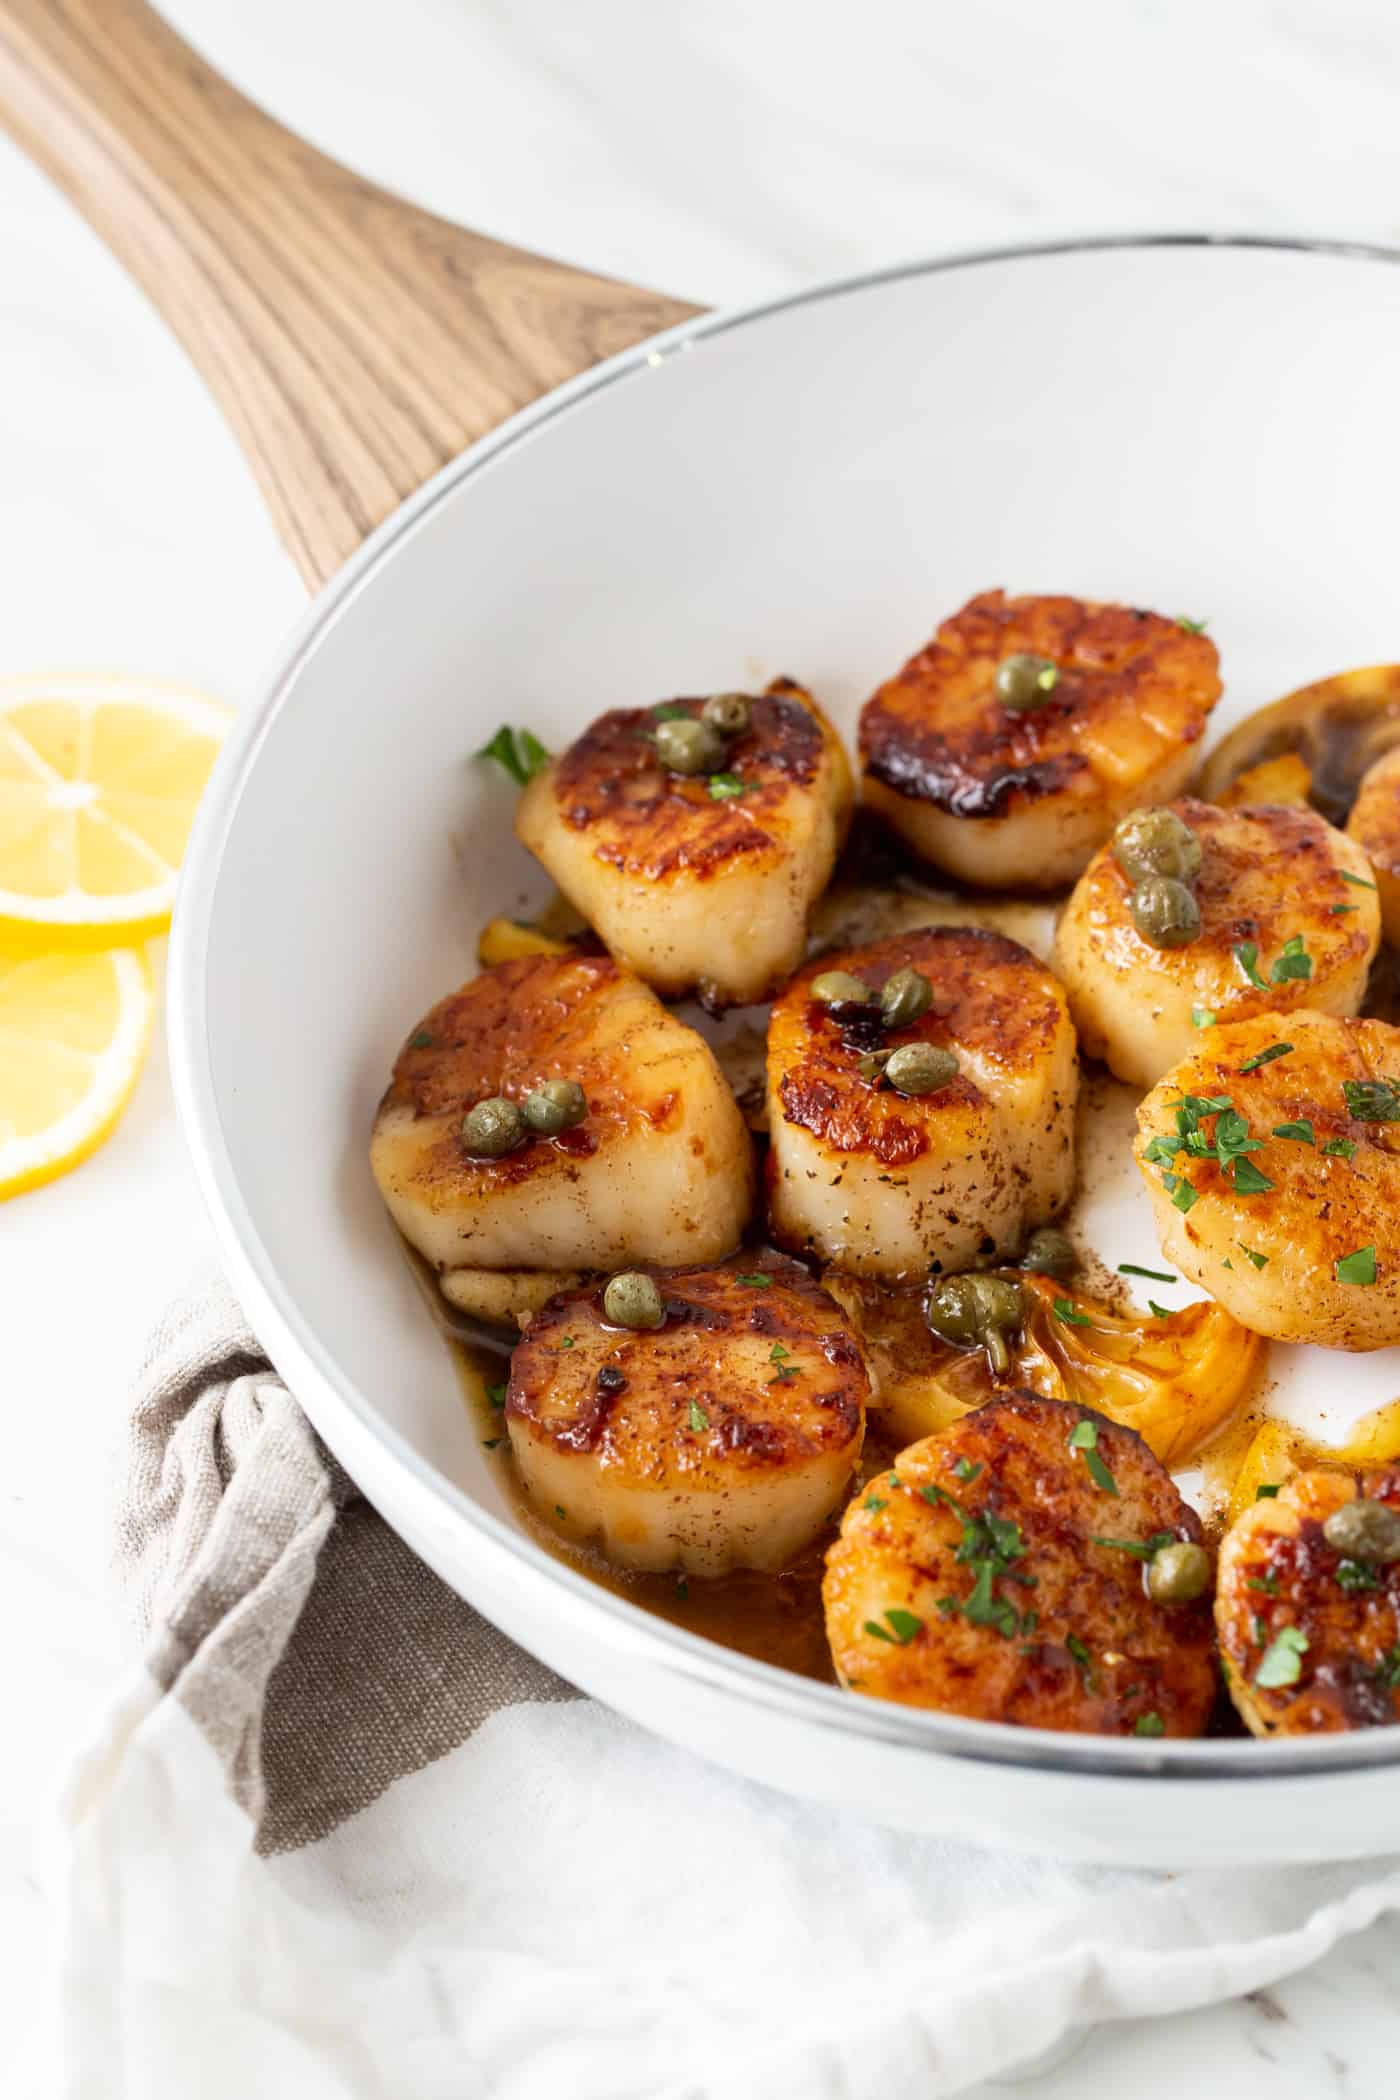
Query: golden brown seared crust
989 995
1278 1572
938 732
1256 863
655 824
1076 1643
1374 824
1322 1205
703 1398
505 1033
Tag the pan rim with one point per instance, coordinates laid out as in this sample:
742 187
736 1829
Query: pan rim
272 1308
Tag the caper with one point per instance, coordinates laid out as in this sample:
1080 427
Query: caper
920 1068
689 746
1178 1573
729 713
976 1311
1157 842
903 997
1050 1252
556 1106
1364 1530
1024 682
1165 912
632 1300
493 1128
840 988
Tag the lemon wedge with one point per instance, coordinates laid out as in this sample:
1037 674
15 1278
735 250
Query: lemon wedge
73 1034
99 780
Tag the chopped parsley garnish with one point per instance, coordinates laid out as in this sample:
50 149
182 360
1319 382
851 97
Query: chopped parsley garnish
489 1443
778 1355
421 1041
496 1394
1372 1100
671 711
1083 1660
1294 962
1131 1268
1084 1438
1159 1312
1283 1659
1064 1310
559 1510
1301 1132
1141 1549
1149 1724
1358 882
1202 1017
1266 1491
1388 1670
1356 1575
1192 626
1268 1583
990 1546
1359 1267
1260 1261
1339 911
757 1282
1340 1148
566 1341
1246 954
875 1502
1228 1147
965 1470
725 786
1183 1196
517 750
1248 1180
698 1417
900 1627
1265 1057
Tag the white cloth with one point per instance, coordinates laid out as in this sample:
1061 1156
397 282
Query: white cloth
558 1907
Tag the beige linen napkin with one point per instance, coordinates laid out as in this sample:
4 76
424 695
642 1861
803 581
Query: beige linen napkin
318 1655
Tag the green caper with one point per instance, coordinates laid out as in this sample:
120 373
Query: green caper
493 1128
976 1312
1157 842
1050 1252
920 1068
840 988
1165 912
1364 1530
729 713
632 1300
1024 682
903 997
689 746
1178 1573
556 1106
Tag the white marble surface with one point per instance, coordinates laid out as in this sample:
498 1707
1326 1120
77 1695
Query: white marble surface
723 150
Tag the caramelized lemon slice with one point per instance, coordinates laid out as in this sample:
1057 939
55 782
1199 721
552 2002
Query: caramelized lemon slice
99 780
73 1035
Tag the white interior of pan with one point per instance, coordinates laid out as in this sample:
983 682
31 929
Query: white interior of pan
1206 431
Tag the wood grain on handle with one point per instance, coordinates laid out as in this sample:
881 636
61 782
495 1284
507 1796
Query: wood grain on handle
354 342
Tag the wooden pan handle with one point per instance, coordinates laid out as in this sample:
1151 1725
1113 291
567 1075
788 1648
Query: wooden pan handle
354 342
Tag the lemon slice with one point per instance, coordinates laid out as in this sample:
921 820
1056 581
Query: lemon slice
73 1034
99 780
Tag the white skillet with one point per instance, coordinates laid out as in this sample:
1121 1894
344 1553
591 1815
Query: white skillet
1206 426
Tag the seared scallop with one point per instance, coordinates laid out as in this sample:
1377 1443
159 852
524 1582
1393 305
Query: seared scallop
1017 796
657 1166
1310 1630
1272 1155
1374 823
698 880
1287 919
723 1438
902 1185
998 1570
